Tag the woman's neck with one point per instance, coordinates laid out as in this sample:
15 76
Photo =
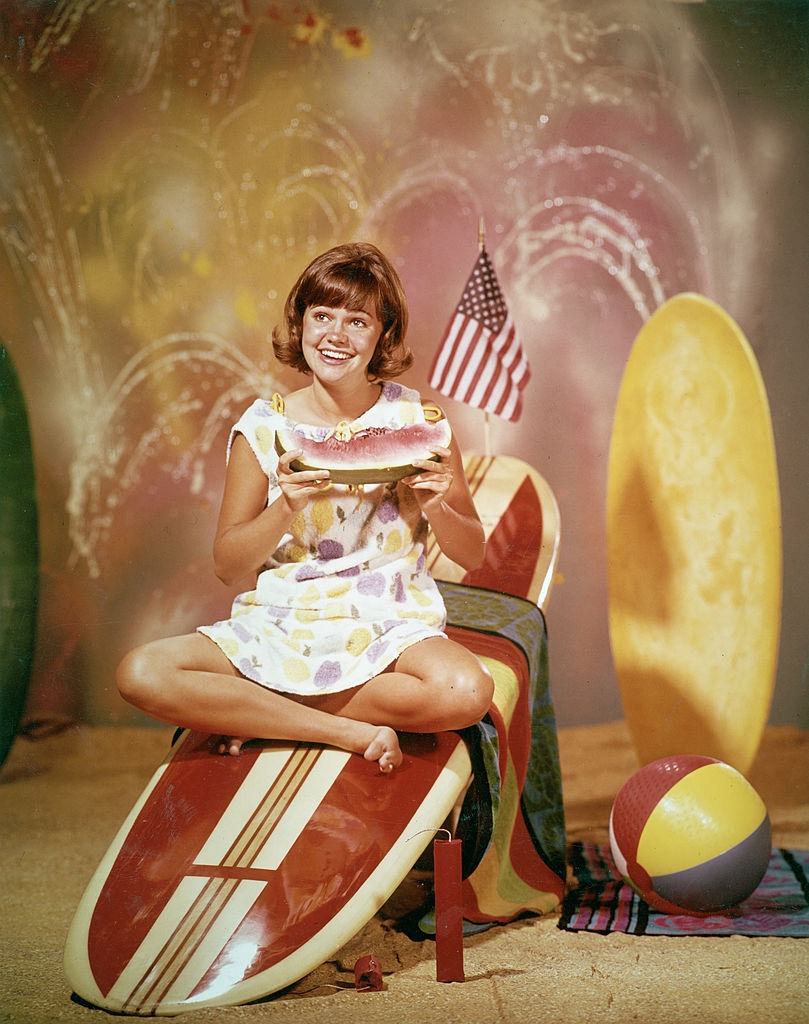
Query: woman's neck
330 405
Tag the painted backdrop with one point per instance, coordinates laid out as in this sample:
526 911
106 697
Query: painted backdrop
167 167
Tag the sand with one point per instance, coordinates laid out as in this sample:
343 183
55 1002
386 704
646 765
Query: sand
62 799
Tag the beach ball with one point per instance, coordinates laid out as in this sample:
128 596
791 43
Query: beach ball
690 834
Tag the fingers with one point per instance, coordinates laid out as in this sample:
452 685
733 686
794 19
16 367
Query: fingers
300 485
441 463
299 476
435 474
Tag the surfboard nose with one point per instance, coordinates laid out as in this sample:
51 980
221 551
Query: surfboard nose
234 877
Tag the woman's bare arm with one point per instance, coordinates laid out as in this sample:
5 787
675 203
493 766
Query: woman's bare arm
443 493
249 530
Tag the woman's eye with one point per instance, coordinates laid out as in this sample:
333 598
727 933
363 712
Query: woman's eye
360 323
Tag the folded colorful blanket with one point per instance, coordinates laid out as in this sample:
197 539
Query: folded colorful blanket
512 820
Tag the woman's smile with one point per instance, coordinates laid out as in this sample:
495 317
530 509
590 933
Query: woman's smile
331 354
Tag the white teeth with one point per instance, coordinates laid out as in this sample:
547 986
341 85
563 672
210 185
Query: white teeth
335 355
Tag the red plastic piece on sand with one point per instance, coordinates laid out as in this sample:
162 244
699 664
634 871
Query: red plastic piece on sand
368 974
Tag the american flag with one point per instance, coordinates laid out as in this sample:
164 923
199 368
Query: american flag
480 360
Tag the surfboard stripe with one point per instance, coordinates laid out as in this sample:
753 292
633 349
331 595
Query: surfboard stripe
189 931
521 540
242 806
187 943
510 561
315 782
211 942
182 901
476 470
218 871
259 827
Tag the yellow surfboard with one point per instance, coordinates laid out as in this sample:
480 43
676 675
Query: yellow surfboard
694 538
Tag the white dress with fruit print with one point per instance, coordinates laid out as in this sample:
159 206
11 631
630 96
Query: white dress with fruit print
347 589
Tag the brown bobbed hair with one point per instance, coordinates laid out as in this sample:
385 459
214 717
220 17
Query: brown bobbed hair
349 277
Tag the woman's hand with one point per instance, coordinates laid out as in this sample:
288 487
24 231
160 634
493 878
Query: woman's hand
433 481
442 491
298 487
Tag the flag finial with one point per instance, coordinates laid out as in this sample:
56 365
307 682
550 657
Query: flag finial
481 233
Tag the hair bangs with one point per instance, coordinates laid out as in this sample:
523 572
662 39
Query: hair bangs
344 288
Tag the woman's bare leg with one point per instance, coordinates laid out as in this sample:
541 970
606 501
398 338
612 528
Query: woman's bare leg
188 681
435 685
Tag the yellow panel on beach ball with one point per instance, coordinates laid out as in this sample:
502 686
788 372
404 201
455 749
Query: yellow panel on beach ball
702 816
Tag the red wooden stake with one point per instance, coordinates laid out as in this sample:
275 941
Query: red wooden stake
448 910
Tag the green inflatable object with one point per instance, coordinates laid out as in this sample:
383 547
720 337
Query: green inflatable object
19 554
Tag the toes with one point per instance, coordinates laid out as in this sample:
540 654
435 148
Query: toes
230 745
384 748
375 750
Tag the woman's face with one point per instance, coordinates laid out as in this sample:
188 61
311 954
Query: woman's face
337 343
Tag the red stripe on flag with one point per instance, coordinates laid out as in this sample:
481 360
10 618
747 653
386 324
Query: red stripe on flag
469 338
498 390
488 380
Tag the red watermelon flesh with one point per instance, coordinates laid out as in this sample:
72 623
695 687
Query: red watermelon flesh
368 455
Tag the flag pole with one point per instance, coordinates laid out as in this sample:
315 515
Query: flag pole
487 434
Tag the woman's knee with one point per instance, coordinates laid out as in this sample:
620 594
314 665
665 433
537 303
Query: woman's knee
470 689
137 677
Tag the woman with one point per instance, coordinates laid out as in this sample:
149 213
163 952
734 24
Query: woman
341 641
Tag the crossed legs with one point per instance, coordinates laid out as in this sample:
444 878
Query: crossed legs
187 680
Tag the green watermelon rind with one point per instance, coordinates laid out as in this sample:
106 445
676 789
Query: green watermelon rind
391 474
19 554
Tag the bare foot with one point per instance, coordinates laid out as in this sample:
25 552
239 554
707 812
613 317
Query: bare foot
384 748
232 745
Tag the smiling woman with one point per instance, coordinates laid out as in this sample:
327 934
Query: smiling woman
356 278
341 640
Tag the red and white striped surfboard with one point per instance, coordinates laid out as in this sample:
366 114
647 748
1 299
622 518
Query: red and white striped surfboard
233 877
521 523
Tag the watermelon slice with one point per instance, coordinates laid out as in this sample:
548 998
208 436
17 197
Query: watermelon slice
368 455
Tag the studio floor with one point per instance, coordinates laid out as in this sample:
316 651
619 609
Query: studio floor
62 799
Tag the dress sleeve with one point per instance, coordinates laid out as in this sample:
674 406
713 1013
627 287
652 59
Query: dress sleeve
257 425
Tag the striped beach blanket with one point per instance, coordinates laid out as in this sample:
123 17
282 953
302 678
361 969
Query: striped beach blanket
604 903
512 821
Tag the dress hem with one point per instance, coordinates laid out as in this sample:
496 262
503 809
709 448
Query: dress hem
320 691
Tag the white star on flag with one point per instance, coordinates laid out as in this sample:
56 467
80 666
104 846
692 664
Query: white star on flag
480 360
